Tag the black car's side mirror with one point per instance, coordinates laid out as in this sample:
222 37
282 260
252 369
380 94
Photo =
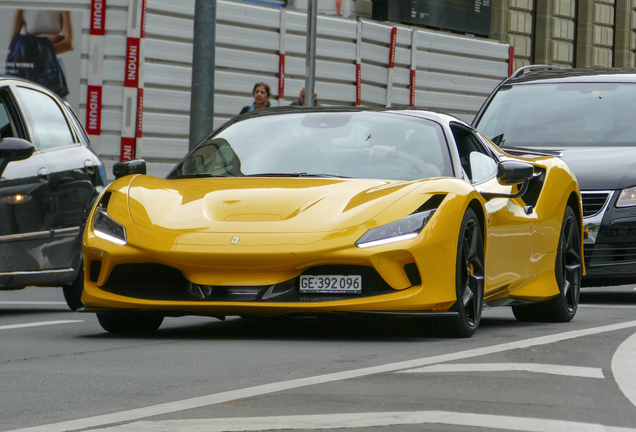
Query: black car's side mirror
510 172
14 149
135 166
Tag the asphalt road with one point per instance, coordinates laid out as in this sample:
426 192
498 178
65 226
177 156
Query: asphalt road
60 371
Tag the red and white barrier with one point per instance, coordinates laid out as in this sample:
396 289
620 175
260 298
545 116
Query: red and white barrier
132 113
389 85
95 76
413 66
511 60
281 57
359 64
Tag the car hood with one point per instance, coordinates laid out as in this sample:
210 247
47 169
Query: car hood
599 168
605 168
260 204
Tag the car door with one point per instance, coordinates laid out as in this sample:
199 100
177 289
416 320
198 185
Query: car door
509 243
25 201
70 165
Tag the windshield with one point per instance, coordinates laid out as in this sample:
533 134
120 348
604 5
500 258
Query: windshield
562 115
336 144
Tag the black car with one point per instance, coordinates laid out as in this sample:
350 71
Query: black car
49 179
588 117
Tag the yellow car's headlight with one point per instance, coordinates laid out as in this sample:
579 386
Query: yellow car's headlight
627 198
105 227
403 229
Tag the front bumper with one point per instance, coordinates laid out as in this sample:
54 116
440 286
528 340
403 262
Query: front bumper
610 246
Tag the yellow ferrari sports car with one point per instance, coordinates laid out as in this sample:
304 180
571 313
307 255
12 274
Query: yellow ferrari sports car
376 213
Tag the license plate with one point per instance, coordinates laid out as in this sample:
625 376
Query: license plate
331 284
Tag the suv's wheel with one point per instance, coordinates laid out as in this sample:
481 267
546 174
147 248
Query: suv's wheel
73 292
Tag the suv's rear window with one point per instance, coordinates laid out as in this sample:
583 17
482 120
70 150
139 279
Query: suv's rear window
562 115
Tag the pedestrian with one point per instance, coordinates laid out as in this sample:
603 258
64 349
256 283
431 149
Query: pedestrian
301 99
261 94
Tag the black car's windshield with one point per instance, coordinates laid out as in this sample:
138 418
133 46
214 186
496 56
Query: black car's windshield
562 115
331 144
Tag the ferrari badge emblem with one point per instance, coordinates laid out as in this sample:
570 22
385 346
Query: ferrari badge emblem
235 240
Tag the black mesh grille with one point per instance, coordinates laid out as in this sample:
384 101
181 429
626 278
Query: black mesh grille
593 202
160 282
534 190
587 253
148 281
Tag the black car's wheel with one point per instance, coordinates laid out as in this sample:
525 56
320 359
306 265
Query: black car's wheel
568 272
469 280
73 292
130 323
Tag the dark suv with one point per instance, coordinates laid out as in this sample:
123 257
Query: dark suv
588 117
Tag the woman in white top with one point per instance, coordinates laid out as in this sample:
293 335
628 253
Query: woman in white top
55 25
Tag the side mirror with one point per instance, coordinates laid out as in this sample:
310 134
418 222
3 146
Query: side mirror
14 149
510 172
514 172
135 166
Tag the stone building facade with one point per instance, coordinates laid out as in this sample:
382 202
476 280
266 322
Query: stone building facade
567 33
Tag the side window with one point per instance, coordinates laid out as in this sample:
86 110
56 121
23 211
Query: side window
49 122
8 126
476 161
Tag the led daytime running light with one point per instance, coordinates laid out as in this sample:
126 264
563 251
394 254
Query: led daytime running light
404 229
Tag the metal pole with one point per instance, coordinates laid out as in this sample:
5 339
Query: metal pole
202 90
310 61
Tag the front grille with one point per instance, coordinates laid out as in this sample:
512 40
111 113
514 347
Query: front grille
161 282
593 202
603 253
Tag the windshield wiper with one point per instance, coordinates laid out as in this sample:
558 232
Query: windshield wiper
303 174
200 175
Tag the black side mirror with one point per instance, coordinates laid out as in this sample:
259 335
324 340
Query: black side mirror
14 149
510 172
514 172
135 166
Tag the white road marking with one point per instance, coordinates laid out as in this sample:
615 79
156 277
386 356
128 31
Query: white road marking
573 371
38 324
232 395
609 306
365 420
624 368
31 303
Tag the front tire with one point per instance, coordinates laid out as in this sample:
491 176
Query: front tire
130 323
568 272
469 280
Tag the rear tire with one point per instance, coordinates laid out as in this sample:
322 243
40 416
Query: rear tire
130 323
73 292
568 272
469 281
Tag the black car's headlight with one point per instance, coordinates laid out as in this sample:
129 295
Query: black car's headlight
627 198
106 227
403 229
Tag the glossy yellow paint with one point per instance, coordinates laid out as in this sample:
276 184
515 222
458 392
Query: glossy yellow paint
286 225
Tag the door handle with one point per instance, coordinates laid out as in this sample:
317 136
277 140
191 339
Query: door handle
43 174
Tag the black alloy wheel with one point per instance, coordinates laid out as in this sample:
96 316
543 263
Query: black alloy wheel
568 270
469 280
130 322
